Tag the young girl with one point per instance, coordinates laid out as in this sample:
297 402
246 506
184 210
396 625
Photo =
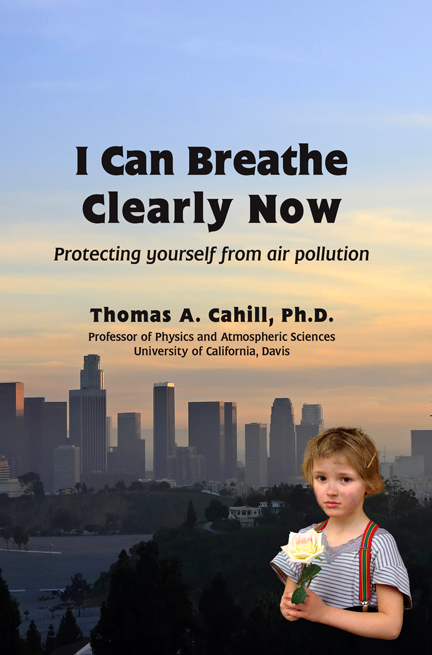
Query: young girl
342 466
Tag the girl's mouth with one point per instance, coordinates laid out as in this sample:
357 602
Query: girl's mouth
331 503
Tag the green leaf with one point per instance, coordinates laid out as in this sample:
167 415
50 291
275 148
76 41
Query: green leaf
299 596
309 572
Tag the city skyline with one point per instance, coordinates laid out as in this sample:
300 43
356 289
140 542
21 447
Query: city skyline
182 428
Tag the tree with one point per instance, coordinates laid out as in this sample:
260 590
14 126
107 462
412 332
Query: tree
120 486
33 639
20 535
136 485
147 609
6 533
191 517
31 484
222 618
64 519
216 510
50 642
68 632
76 591
10 641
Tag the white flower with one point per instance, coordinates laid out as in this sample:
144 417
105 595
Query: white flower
304 547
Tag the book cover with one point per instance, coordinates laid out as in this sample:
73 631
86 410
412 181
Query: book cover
233 198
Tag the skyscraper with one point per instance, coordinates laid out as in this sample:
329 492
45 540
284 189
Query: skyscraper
213 433
421 444
87 417
230 421
312 423
130 452
256 454
12 443
163 427
282 464
206 429
91 376
45 430
312 414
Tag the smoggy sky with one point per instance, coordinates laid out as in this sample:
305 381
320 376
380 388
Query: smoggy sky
229 76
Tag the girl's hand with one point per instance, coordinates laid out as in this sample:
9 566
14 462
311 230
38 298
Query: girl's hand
313 608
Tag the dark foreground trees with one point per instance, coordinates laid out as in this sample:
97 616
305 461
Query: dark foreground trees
10 620
148 608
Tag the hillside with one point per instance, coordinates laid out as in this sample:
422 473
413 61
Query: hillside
133 512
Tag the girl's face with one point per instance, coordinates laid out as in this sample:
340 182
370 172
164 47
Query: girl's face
338 488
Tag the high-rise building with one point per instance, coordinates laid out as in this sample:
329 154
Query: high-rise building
12 435
230 420
109 431
34 426
87 417
421 444
282 461
45 430
130 452
163 428
91 376
410 466
312 414
256 454
209 423
312 423
186 467
128 428
66 467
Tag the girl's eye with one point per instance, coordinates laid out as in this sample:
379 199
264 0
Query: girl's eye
320 478
346 479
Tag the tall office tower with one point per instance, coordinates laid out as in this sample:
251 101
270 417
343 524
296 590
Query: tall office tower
33 427
128 428
4 469
12 435
66 467
92 377
312 415
87 417
282 462
304 433
186 467
206 427
109 432
312 423
230 421
163 428
256 454
45 429
421 444
130 452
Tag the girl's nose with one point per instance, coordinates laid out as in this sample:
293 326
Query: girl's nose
331 489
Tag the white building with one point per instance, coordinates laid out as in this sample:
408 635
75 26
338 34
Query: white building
246 515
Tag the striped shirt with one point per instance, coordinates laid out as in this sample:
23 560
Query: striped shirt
338 581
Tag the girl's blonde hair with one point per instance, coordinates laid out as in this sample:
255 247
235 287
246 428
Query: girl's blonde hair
352 444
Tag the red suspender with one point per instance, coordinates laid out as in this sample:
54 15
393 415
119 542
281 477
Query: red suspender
364 564
364 561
